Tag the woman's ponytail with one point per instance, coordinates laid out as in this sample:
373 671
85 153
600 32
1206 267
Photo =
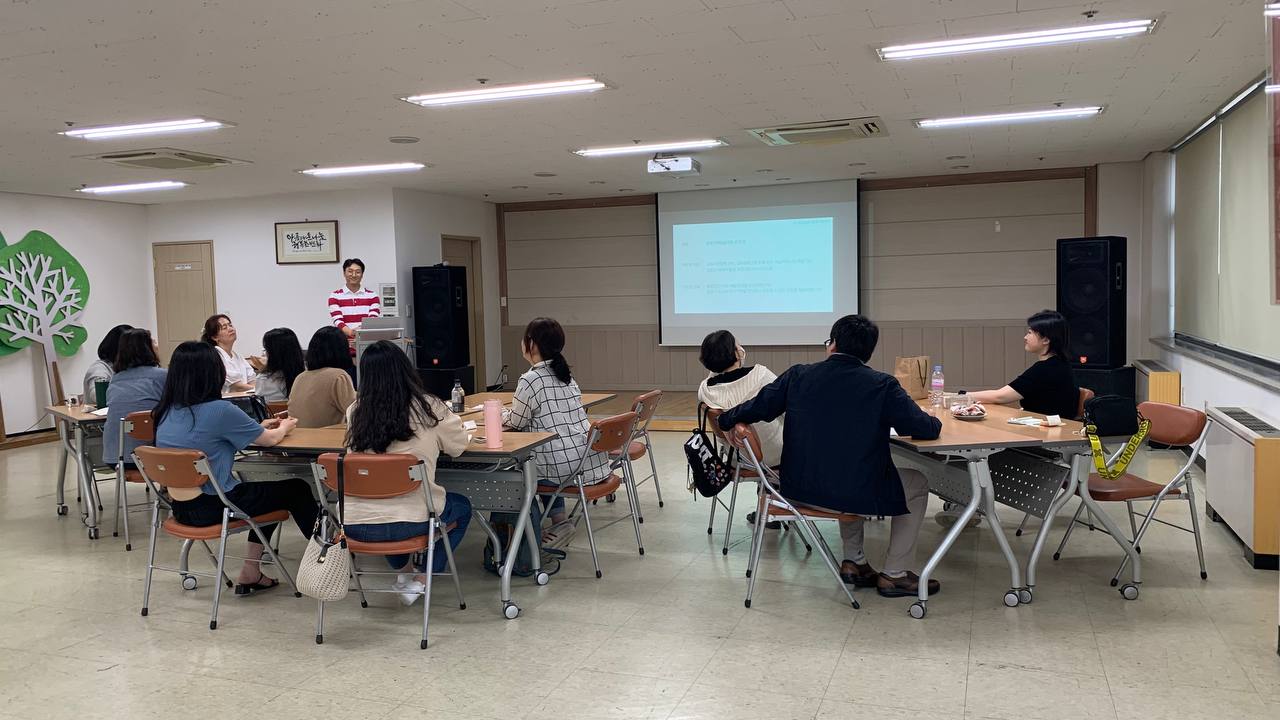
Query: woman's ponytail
560 367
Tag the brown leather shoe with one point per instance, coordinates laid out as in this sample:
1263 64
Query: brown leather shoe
906 586
863 576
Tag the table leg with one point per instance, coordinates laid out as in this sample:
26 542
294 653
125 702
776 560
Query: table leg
509 609
85 478
983 470
917 609
1078 466
60 487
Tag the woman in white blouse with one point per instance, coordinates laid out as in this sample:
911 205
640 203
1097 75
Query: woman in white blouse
221 334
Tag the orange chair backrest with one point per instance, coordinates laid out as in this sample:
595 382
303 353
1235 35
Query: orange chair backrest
171 467
370 475
1085 396
141 426
713 422
613 433
277 406
742 437
1173 424
646 405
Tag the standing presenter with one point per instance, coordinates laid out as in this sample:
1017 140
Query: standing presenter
350 304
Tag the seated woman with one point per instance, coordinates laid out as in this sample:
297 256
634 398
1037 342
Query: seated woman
221 335
282 366
547 399
321 395
393 413
731 383
192 415
1047 387
136 386
101 369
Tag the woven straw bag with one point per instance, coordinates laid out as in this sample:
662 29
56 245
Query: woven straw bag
325 571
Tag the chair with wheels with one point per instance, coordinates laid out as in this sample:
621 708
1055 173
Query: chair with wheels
1171 425
182 469
770 503
141 427
377 477
640 444
609 435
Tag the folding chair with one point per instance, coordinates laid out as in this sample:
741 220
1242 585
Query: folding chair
276 407
609 435
1085 396
141 427
1172 425
377 477
771 503
175 468
640 444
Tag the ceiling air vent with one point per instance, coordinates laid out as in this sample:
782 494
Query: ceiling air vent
166 159
826 131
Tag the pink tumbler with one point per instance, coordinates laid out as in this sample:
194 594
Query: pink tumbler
493 424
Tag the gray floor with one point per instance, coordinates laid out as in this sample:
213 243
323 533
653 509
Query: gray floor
660 636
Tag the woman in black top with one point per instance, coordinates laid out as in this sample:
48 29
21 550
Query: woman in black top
1047 387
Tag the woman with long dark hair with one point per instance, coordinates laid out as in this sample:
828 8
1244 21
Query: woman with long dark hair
192 415
101 369
547 399
321 395
220 334
283 365
1047 387
393 413
136 386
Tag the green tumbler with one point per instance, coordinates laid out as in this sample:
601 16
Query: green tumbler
100 392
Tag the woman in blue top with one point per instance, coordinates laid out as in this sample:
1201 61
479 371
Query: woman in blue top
193 415
136 386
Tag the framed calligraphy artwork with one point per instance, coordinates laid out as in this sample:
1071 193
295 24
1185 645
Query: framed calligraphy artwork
307 242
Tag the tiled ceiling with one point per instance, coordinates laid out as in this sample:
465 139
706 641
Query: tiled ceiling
315 82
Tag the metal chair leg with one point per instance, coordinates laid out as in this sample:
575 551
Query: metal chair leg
733 503
711 519
1067 535
591 538
319 622
124 510
222 559
432 526
807 527
355 575
653 466
1133 527
1195 528
754 554
151 556
453 569
757 540
1022 525
633 500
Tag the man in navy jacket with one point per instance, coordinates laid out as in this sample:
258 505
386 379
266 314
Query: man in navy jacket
835 450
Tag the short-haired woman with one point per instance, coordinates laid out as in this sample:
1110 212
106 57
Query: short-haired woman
731 383
283 365
393 413
101 369
547 399
321 395
192 415
1047 387
220 333
135 387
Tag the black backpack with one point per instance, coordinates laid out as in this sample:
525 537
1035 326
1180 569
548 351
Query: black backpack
711 472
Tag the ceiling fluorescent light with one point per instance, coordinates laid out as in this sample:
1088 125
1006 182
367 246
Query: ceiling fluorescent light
1003 118
1271 9
507 92
1273 89
154 128
363 169
1240 98
132 187
961 46
651 148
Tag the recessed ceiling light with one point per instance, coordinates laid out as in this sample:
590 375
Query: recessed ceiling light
403 139
857 164
132 187
1271 9
507 92
764 170
595 182
959 167
1240 97
955 157
544 174
1272 89
780 179
363 169
869 172
626 189
555 194
519 187
104 132
651 148
702 185
1056 36
1055 114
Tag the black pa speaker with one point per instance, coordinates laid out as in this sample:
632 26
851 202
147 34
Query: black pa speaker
440 322
1091 295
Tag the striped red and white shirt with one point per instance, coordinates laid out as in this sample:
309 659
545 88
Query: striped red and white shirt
348 308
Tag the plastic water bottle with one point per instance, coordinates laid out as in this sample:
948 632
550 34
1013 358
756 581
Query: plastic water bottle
457 398
937 395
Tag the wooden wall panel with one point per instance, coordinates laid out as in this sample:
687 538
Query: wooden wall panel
574 282
933 304
588 252
955 270
600 310
582 223
967 235
1045 197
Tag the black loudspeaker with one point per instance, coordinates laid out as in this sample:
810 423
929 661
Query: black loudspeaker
440 322
1091 295
1108 381
440 382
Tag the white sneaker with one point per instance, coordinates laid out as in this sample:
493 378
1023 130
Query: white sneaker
410 590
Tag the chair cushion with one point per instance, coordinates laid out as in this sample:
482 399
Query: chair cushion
634 452
212 532
608 486
777 509
1125 487
393 547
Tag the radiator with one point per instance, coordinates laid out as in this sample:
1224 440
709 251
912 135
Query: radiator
1242 475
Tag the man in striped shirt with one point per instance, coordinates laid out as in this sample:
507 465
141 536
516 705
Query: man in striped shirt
351 304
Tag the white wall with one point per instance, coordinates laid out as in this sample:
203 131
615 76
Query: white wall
420 219
108 240
1120 212
1204 384
257 293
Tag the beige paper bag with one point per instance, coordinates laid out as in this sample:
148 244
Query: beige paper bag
913 374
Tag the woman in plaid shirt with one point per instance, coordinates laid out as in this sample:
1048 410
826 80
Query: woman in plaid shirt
547 399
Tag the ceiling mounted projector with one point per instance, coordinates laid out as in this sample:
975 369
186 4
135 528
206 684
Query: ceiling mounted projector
674 166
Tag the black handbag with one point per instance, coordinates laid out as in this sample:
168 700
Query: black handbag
711 473
1112 415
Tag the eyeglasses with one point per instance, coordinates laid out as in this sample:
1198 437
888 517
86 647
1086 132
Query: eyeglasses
827 342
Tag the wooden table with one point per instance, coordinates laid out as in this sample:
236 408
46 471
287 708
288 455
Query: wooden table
974 442
77 418
588 400
503 480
